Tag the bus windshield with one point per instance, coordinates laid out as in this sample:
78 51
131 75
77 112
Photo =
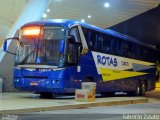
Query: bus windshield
42 49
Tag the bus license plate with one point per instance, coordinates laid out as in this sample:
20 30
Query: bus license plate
33 83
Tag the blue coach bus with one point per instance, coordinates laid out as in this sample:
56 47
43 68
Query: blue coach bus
55 56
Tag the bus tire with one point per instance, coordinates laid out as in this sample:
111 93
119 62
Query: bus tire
140 88
136 92
46 95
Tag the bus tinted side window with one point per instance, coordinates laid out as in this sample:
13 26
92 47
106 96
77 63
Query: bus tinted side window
113 44
130 54
125 48
98 42
88 34
135 51
92 38
143 53
105 43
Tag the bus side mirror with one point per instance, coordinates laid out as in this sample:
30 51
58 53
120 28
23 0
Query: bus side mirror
62 47
6 42
5 45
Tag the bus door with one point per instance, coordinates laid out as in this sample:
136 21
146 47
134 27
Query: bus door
74 52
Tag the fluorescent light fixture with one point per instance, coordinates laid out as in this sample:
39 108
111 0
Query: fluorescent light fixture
44 15
48 10
82 20
89 16
106 5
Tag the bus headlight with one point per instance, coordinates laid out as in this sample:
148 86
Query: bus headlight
53 81
17 80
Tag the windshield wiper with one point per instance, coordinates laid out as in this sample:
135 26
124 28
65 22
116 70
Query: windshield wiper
26 58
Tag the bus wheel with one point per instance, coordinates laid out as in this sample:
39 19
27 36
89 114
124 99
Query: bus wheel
46 95
142 88
136 92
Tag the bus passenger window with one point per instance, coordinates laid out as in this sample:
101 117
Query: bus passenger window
142 53
105 44
91 40
98 42
125 48
135 52
119 47
113 46
130 54
90 37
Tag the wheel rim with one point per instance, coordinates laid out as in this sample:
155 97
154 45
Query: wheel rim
143 88
138 90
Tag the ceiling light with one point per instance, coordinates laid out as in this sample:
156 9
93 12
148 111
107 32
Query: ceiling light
48 10
58 20
106 4
44 15
82 20
89 16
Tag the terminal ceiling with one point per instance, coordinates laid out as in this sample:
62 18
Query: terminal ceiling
119 11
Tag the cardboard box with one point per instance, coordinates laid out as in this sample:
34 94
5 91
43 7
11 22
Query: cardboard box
83 95
88 85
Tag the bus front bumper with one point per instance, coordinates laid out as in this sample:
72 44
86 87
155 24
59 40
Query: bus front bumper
39 85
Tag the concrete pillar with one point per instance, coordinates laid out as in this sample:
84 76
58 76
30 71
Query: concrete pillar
32 12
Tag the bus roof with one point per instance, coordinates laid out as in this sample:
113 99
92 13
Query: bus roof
69 23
